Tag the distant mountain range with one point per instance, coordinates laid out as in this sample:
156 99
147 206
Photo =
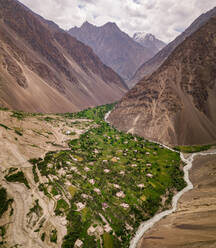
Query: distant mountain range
150 66
114 47
44 69
176 105
149 41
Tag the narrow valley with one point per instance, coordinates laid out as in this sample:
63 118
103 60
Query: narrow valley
107 124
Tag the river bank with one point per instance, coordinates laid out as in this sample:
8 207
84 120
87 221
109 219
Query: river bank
141 241
194 222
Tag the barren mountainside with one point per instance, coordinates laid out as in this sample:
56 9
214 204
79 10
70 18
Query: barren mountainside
114 47
176 105
154 63
44 69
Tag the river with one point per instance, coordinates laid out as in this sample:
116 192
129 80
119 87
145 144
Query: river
146 225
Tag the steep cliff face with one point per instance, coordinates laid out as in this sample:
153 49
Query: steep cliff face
154 63
176 105
45 69
114 47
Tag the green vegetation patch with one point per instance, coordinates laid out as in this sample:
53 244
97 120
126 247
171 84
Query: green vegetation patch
72 190
118 181
2 236
19 115
43 236
4 109
18 131
35 209
43 187
61 207
2 231
96 114
49 119
34 171
108 240
4 201
53 236
18 177
192 149
70 133
12 169
5 127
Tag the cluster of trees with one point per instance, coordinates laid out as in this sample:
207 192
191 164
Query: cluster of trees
4 201
18 177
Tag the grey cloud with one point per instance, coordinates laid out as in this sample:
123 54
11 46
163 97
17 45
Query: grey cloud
163 18
135 13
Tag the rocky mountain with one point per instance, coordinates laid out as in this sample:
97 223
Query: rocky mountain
154 63
149 41
114 47
176 105
43 68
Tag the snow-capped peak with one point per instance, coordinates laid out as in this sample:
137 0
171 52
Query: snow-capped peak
150 37
141 36
149 41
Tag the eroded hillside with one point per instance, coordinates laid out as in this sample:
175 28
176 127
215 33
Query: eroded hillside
153 64
44 69
176 104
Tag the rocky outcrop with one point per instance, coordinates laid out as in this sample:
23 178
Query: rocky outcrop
154 63
114 47
43 68
176 104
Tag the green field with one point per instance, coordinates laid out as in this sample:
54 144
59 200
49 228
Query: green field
113 182
193 149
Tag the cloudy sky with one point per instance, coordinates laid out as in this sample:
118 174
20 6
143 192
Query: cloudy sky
164 18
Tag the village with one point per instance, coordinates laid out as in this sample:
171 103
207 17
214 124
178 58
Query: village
107 183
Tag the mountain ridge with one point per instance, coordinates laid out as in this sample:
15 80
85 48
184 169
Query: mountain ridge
149 41
40 60
114 47
176 104
155 62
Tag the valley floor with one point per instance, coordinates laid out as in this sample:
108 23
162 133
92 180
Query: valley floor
193 225
71 180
